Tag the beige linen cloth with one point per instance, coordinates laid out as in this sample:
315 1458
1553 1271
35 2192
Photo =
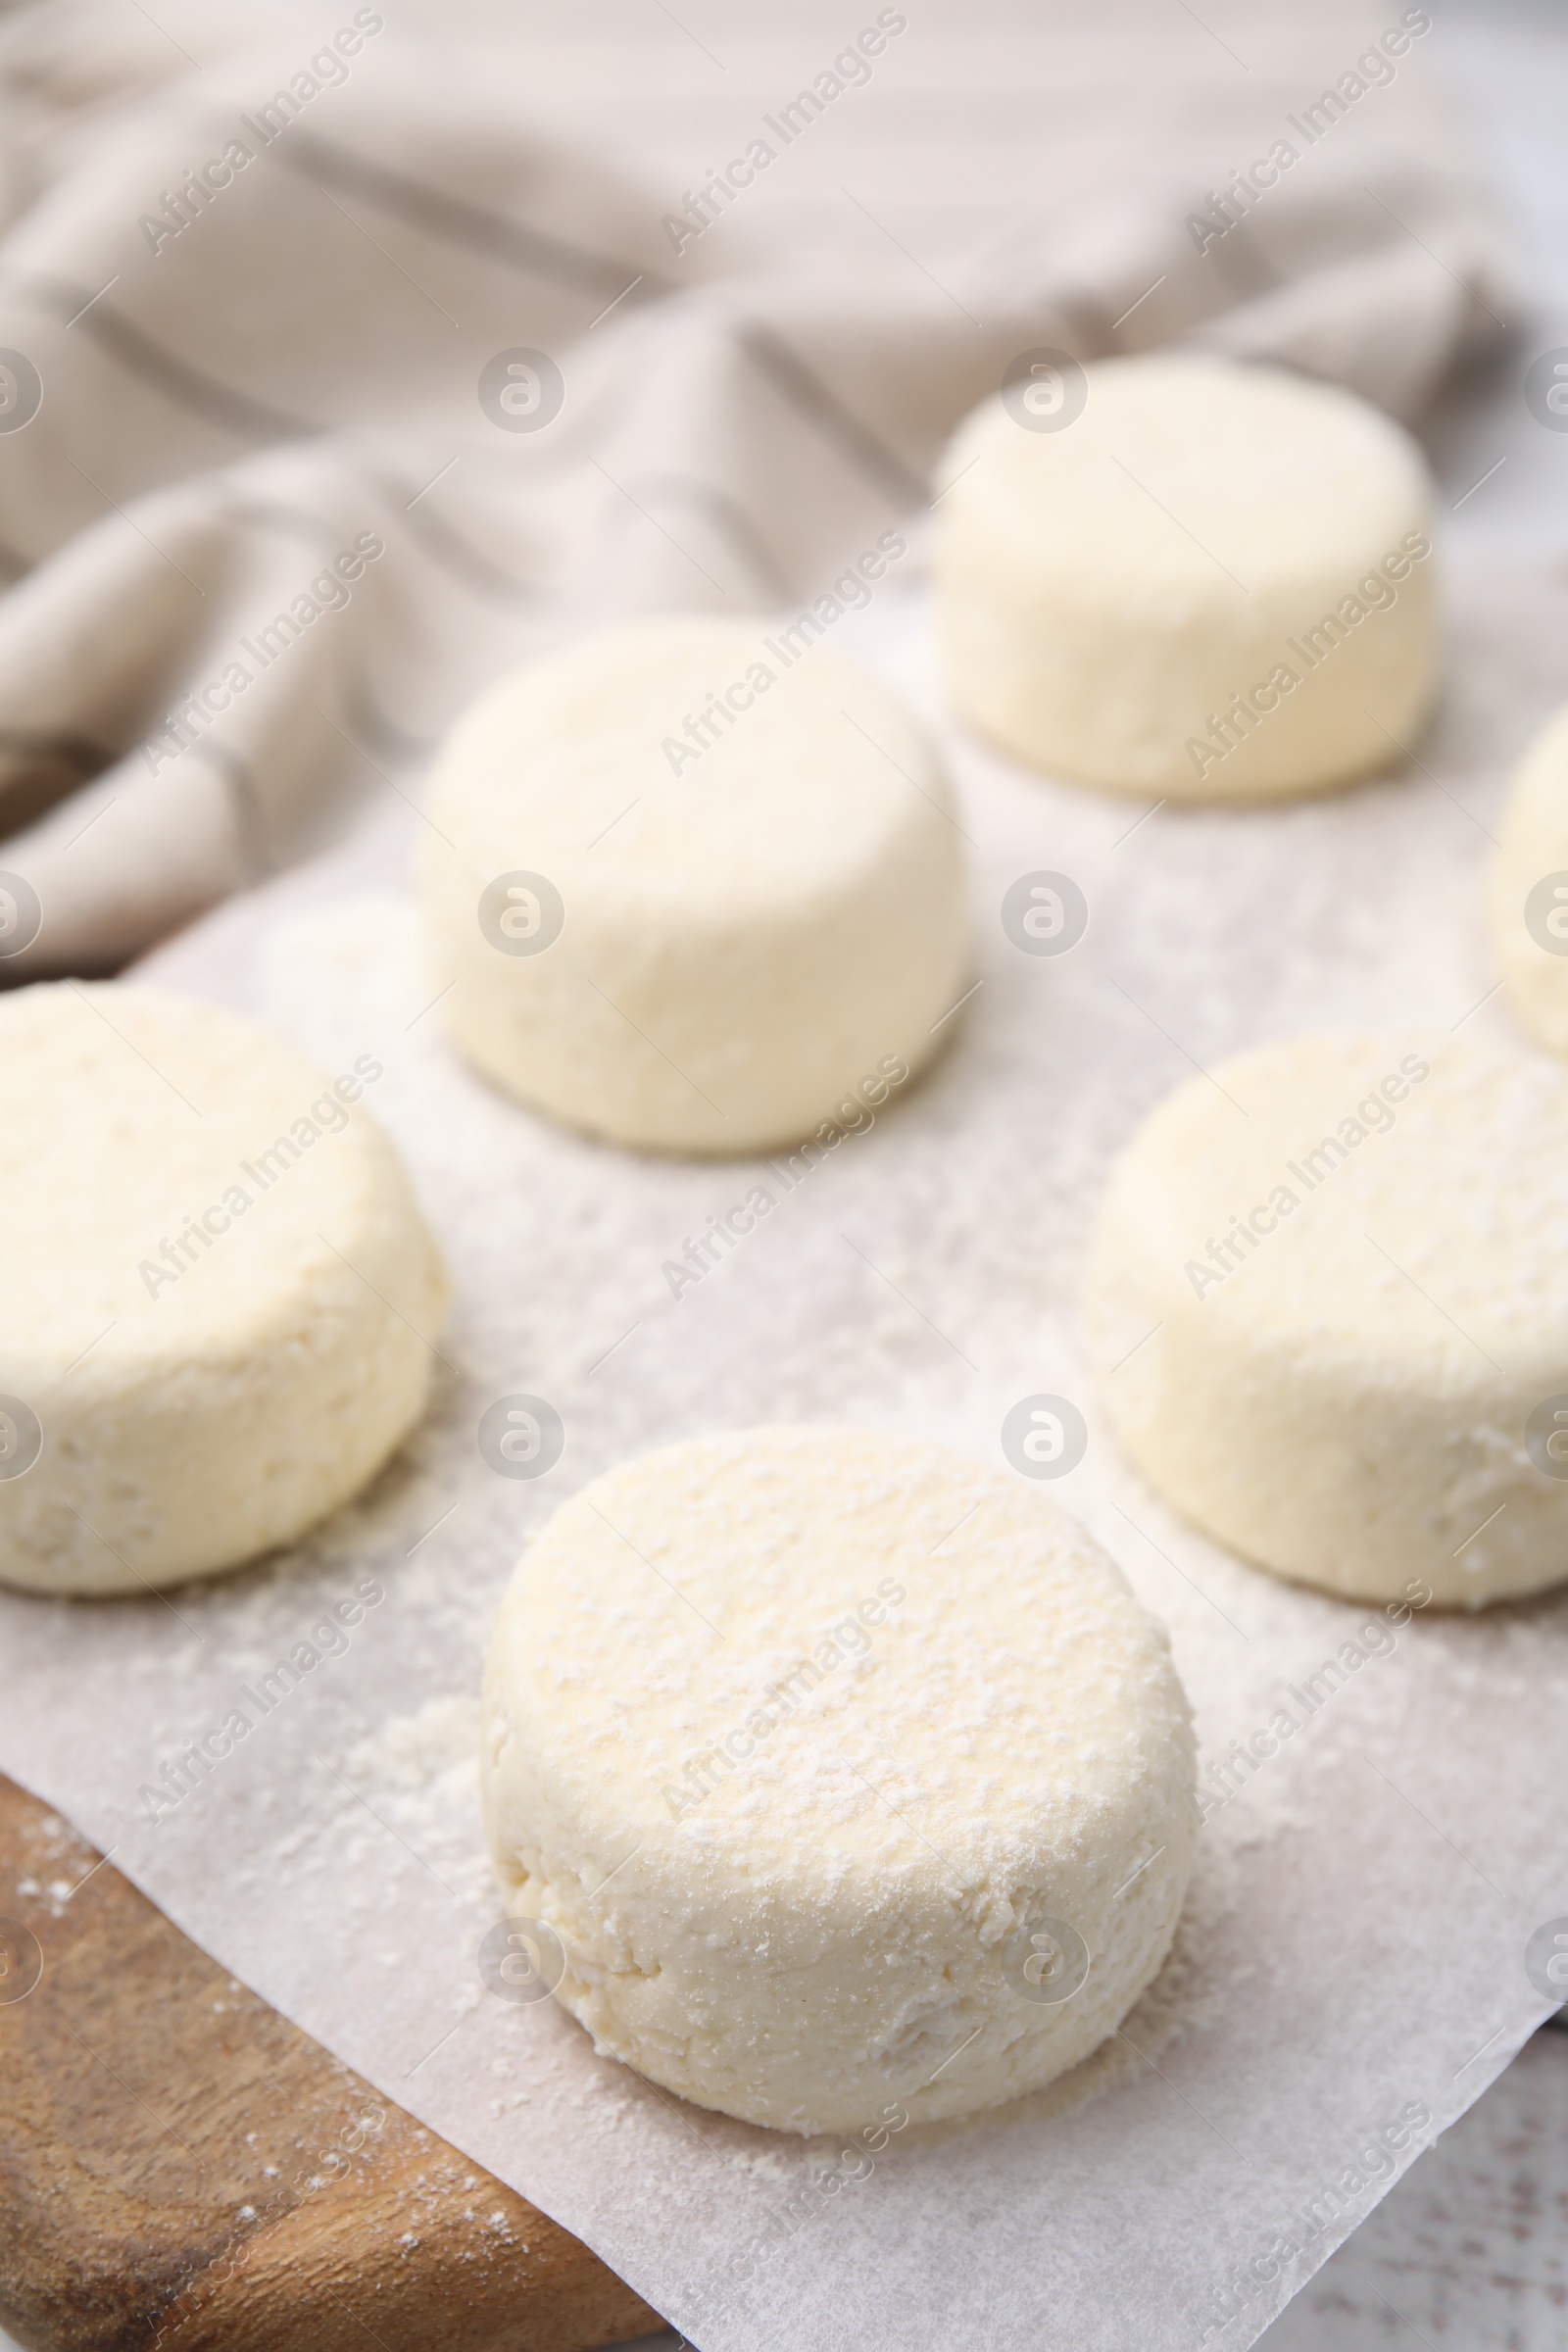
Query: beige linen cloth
350 354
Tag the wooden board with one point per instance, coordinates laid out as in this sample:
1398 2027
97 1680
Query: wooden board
181 2167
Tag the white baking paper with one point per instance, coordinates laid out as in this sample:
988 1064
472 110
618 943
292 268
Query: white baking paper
1350 1972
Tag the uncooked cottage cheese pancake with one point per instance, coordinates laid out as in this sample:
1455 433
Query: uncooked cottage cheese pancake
695 889
1179 577
212 1303
836 1772
1329 1300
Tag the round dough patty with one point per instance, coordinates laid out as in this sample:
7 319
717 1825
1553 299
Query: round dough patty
1332 1314
1210 584
709 945
798 1739
1530 888
207 1337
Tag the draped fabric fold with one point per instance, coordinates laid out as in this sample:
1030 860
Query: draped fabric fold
337 372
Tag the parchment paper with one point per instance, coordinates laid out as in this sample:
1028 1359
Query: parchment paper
1350 1972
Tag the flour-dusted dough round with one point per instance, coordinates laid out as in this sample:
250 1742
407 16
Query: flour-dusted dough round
796 1737
1329 1300
751 932
1126 599
1530 888
211 1295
